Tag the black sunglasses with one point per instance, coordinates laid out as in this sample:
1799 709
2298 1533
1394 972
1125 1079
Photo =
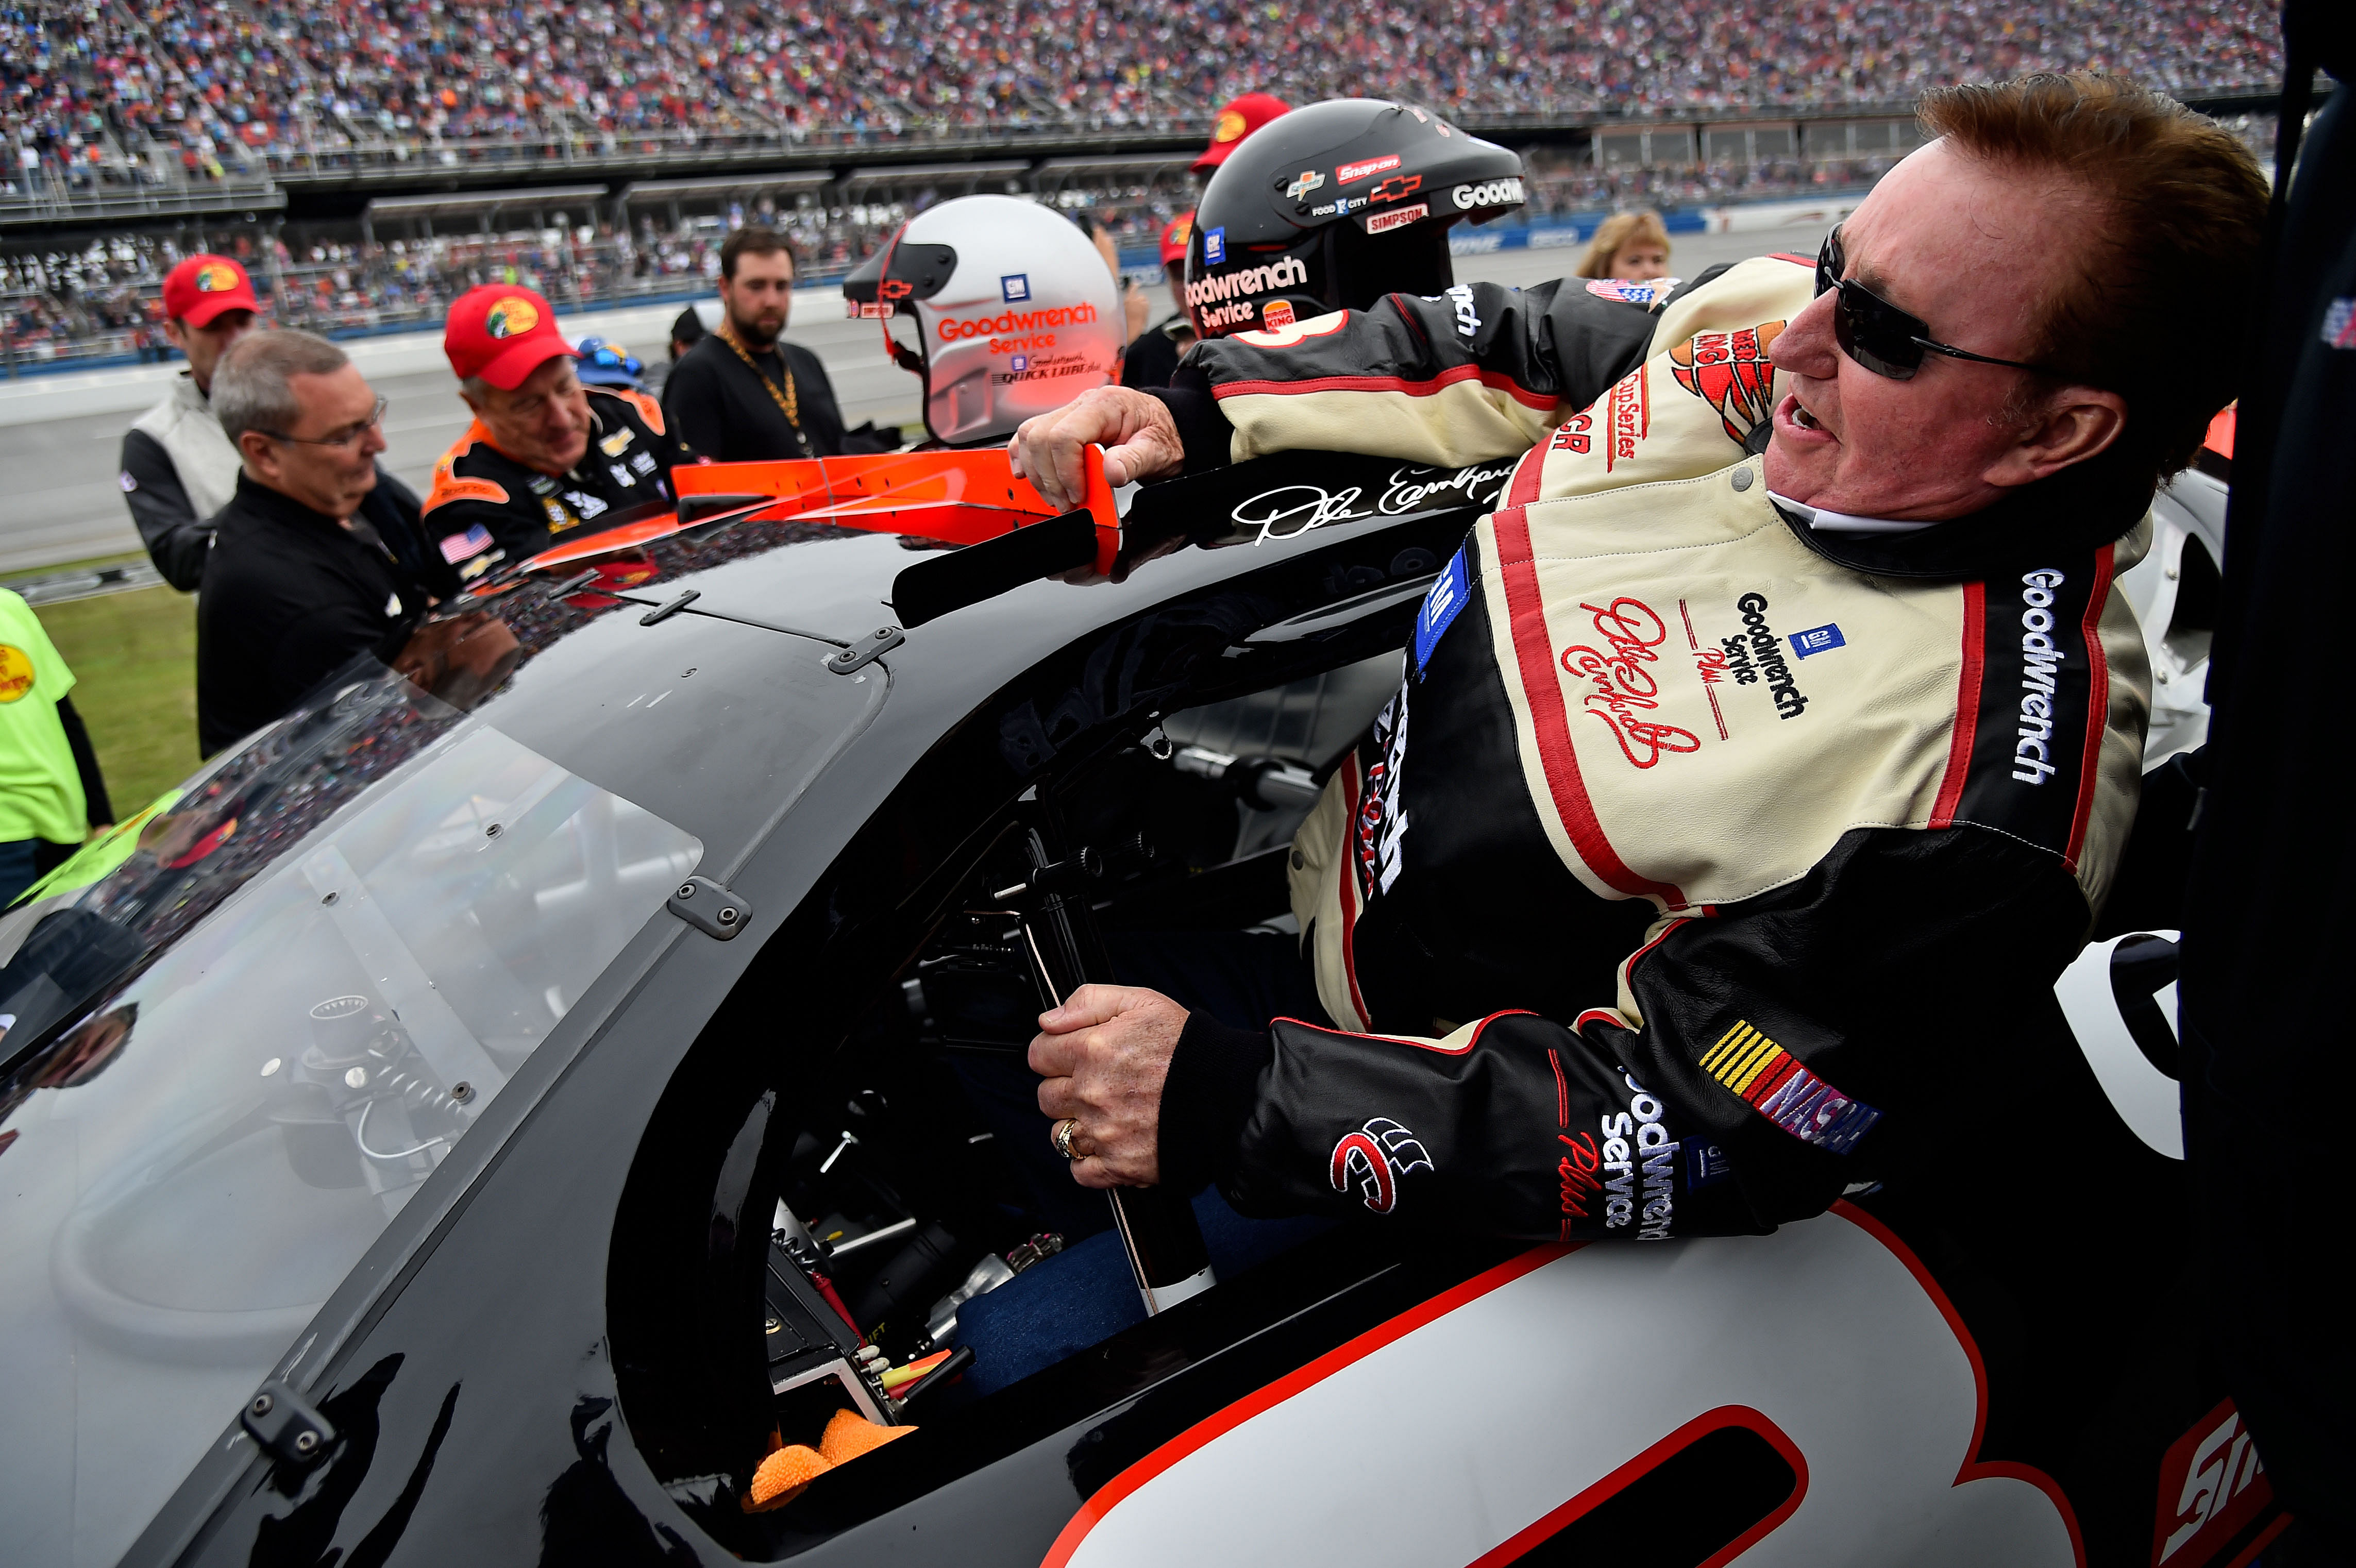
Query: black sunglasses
1877 334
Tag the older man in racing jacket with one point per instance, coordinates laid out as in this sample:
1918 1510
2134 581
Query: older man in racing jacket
1761 761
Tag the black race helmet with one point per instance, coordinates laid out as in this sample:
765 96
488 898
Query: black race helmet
1333 206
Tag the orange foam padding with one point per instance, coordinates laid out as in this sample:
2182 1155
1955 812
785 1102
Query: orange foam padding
960 497
2219 439
849 1434
787 1471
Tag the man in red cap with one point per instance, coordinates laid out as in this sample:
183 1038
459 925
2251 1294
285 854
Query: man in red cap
546 456
1237 121
179 469
1153 357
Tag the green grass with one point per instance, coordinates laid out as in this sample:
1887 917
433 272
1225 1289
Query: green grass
135 661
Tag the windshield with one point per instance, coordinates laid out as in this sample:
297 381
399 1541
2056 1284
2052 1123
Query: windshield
231 1057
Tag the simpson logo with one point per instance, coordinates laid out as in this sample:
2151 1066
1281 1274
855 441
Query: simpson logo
1649 292
1368 168
1215 245
1752 655
1304 183
2041 664
510 316
1624 691
1276 316
1399 187
1012 321
1014 287
2212 1485
1441 605
216 277
1384 222
1372 1159
1496 193
1773 1081
1732 372
1817 640
1635 1137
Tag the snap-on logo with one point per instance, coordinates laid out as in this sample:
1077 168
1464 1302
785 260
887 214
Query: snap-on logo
1374 1158
1366 168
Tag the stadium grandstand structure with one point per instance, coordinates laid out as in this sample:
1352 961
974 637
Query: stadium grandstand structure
138 93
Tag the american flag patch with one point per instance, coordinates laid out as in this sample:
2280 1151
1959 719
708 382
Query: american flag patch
456 547
1785 1092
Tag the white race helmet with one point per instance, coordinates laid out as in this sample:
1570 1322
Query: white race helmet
1015 313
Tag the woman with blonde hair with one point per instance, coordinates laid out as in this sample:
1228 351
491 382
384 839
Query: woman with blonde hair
1631 245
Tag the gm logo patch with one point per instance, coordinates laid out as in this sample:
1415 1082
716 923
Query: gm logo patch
1014 287
1439 607
1817 640
1215 247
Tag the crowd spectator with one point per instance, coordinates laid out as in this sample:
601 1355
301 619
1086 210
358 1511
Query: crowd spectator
52 796
1152 356
1629 245
179 469
213 91
318 556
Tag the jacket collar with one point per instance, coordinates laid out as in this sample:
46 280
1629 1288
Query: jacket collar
278 506
2080 509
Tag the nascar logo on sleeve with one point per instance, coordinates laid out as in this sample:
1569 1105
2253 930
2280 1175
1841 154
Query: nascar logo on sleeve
1776 1086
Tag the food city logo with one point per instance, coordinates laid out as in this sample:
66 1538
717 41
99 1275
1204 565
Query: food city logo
1755 654
1640 1160
1291 510
1398 218
216 277
1494 193
1366 168
511 316
1225 299
2041 668
1013 321
1304 183
1623 692
1372 1159
1732 372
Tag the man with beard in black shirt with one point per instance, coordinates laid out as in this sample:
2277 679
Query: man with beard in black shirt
742 394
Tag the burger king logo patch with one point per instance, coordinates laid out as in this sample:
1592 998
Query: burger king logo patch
216 277
1231 126
512 318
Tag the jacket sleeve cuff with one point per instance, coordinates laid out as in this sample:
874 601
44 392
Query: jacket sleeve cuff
1202 430
1213 1084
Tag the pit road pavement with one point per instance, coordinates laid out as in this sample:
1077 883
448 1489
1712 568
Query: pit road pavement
61 435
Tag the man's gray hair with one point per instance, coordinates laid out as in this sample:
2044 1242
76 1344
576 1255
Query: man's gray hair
251 385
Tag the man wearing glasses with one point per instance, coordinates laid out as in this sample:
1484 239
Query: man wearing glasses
1761 761
317 555
547 459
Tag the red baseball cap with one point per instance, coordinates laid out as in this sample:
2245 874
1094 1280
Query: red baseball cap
1174 236
502 333
1237 121
202 287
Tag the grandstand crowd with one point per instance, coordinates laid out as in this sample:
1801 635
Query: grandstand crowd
136 90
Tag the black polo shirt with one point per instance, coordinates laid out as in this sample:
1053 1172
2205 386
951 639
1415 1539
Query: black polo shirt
724 412
486 507
1152 357
289 596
